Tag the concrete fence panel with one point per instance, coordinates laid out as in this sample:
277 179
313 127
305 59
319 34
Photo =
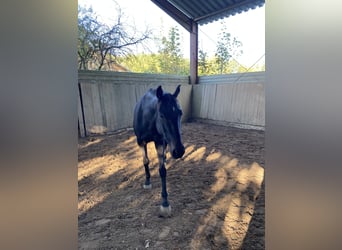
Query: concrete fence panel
235 99
108 98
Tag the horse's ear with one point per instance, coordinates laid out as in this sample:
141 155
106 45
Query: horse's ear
159 92
177 91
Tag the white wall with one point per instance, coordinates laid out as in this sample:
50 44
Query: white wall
109 97
234 99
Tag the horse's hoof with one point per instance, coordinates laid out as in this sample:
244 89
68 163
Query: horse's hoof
165 211
147 186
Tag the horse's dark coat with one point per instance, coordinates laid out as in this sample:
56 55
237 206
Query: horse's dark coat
157 118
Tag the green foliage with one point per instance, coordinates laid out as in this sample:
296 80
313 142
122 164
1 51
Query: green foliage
171 60
168 60
226 48
212 68
260 66
142 63
203 64
171 44
109 47
150 63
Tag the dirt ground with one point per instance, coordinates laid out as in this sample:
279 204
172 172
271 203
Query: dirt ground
216 191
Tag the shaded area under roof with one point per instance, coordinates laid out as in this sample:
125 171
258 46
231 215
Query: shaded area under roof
202 12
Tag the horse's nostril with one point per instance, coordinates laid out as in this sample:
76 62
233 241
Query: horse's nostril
183 151
178 153
174 153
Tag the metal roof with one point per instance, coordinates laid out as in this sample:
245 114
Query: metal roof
202 12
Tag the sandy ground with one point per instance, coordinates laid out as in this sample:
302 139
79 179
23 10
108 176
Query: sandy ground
216 192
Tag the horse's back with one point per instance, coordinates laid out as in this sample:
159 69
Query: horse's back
144 116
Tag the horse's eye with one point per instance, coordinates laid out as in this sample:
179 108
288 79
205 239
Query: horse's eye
162 116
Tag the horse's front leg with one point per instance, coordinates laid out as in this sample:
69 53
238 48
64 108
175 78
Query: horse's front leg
146 161
165 208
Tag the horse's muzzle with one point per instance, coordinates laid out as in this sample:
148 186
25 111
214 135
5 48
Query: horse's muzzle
178 152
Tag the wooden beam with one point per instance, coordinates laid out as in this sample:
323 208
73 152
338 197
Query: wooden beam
175 13
194 53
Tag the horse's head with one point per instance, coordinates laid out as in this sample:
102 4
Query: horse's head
168 121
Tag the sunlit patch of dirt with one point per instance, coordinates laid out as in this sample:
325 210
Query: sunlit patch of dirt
216 192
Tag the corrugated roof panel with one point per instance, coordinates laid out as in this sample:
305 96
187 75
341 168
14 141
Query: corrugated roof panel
183 7
199 7
192 8
208 5
206 11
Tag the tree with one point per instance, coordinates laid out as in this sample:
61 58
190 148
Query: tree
226 48
87 26
171 58
203 63
99 44
141 63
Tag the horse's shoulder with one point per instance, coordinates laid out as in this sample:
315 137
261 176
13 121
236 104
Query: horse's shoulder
151 93
149 97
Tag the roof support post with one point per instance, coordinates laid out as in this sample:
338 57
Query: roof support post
194 53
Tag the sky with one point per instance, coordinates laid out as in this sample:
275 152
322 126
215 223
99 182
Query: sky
248 27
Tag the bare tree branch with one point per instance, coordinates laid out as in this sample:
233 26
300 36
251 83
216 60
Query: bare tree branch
99 44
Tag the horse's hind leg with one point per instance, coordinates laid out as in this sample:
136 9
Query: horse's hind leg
165 208
146 161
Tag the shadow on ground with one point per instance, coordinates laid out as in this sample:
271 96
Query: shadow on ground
216 192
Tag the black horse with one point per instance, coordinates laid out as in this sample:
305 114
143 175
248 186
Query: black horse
157 118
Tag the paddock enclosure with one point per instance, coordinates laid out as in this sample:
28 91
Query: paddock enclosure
216 190
106 99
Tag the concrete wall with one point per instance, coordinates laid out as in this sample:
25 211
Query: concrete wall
234 99
109 97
